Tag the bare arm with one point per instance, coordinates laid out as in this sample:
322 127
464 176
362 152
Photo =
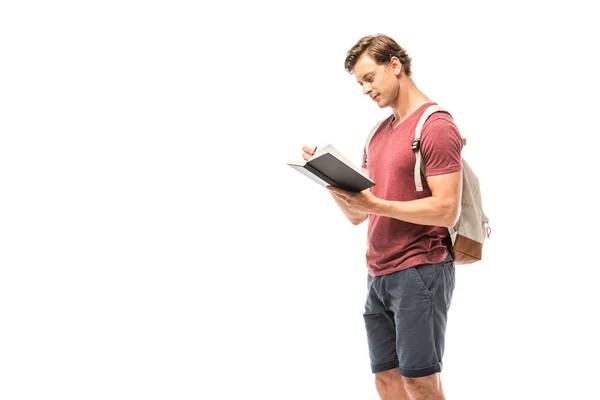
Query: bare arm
442 208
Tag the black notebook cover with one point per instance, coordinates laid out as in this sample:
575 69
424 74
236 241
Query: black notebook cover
331 168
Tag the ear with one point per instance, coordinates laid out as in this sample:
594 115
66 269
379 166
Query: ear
396 66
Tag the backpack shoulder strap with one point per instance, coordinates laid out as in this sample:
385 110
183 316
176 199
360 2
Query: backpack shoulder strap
377 125
416 145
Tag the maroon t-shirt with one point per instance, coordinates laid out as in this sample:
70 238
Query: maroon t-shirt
394 245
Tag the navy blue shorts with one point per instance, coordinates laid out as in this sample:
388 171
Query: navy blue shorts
405 318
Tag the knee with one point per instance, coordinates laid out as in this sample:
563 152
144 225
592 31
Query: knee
426 385
386 379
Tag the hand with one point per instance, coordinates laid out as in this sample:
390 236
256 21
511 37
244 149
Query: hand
363 202
307 152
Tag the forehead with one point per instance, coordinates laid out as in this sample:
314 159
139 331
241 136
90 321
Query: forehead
364 65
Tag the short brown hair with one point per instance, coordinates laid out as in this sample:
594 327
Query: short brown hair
381 48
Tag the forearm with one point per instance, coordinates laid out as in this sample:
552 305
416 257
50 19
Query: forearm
353 217
430 211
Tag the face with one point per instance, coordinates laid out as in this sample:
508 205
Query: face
379 81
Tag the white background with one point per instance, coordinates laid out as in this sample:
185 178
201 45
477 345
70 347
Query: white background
154 245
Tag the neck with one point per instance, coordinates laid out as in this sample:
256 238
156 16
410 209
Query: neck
409 99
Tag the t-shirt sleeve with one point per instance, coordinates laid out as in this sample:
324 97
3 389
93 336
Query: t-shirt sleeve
441 146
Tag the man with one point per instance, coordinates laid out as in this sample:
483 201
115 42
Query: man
411 270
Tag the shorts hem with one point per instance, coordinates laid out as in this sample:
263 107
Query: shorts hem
384 366
421 372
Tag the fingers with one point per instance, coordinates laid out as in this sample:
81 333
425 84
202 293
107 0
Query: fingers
308 152
338 192
340 197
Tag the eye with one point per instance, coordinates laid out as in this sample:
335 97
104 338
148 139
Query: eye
368 78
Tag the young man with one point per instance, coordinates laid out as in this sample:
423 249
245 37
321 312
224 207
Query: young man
411 271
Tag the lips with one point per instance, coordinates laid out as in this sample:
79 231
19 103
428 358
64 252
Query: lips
376 97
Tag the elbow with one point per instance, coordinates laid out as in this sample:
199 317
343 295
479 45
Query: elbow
451 222
451 216
358 221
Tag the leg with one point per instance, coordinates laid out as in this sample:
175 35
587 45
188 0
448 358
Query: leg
381 337
425 388
390 385
420 298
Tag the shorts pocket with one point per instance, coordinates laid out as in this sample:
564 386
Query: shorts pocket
425 276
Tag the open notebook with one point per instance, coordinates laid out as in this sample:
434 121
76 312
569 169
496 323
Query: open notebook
329 167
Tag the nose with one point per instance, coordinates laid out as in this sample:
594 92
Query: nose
366 88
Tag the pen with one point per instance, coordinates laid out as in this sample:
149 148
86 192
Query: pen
315 150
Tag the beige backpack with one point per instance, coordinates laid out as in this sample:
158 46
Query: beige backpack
472 228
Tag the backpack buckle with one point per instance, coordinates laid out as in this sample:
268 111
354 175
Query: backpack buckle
416 145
